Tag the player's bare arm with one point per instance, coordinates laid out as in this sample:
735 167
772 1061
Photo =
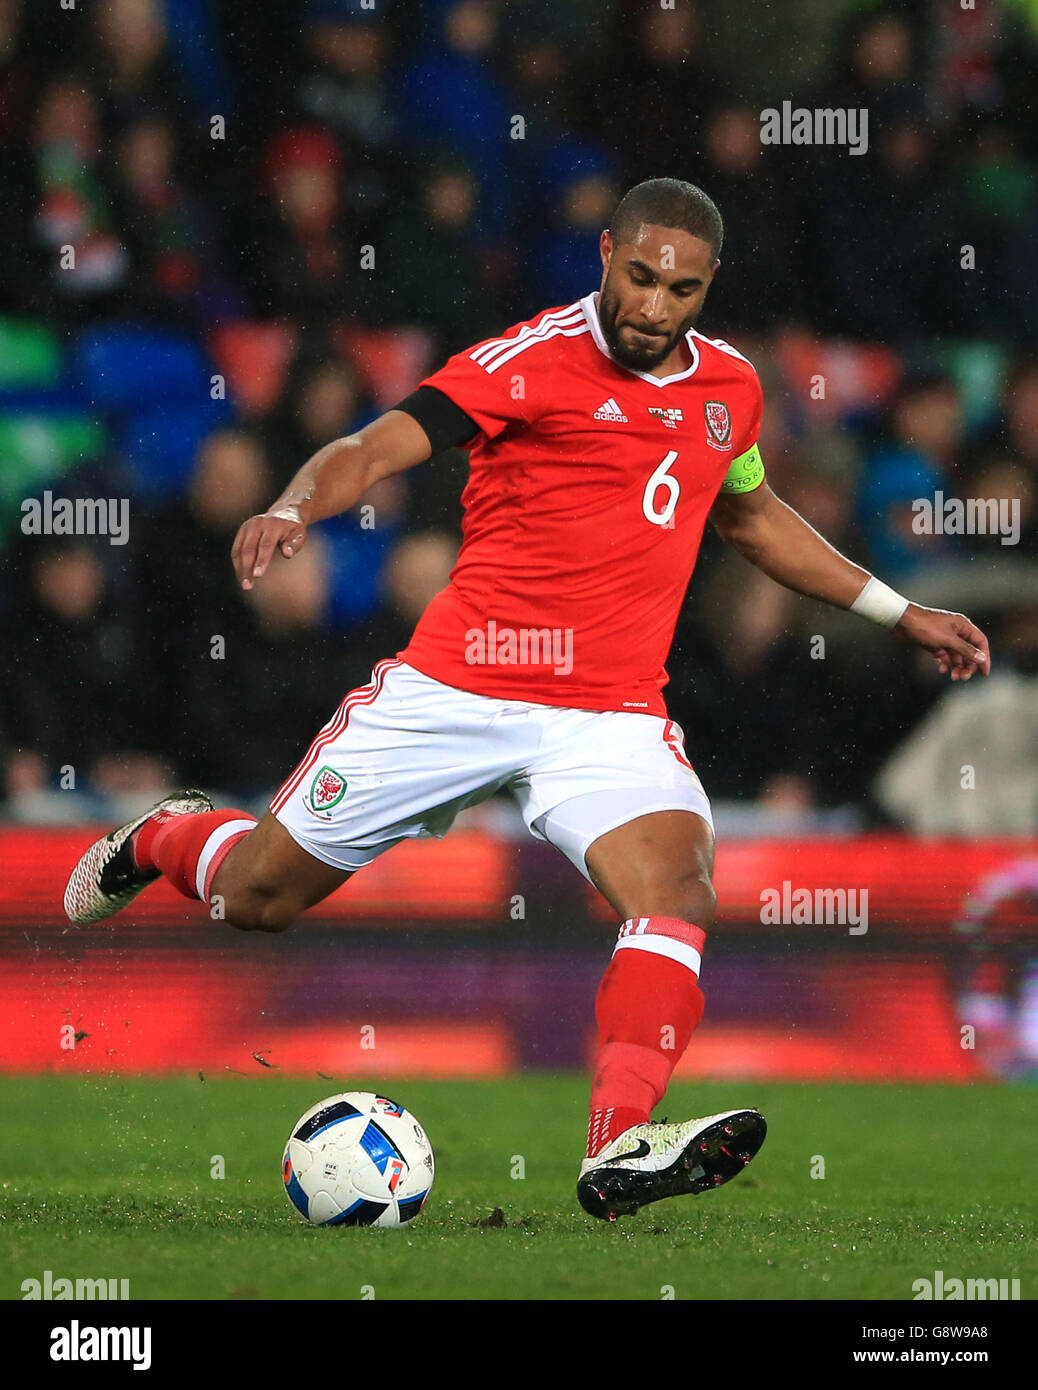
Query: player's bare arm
331 482
775 538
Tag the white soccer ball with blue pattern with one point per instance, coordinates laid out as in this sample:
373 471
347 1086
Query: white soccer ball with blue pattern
358 1159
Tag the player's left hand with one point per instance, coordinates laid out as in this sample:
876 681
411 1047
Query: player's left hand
958 647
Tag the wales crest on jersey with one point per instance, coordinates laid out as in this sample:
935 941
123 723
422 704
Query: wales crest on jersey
718 425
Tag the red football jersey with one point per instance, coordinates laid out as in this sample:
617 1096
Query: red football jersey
588 493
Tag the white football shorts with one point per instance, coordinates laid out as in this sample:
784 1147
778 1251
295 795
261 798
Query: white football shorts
405 753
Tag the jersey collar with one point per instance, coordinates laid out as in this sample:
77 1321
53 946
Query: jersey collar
589 304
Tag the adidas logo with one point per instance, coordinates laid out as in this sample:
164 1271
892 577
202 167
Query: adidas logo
610 411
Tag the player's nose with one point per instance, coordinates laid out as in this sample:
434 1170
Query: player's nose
653 308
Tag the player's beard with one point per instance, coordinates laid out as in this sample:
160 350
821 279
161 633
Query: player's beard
638 359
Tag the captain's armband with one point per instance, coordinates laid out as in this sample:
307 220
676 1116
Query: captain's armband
746 472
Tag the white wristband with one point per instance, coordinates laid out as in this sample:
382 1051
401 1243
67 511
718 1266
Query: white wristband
880 604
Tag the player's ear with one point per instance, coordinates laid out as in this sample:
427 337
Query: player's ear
605 246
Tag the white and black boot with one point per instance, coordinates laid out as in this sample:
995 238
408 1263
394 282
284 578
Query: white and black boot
656 1159
107 877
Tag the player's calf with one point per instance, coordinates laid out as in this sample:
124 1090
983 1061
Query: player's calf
251 875
658 865
267 881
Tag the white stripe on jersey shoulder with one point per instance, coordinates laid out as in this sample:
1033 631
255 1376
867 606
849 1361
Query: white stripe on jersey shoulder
565 330
492 354
546 321
724 347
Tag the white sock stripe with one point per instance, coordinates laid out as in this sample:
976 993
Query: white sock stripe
215 840
598 1127
680 951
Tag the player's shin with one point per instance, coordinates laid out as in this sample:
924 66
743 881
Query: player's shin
648 1005
188 850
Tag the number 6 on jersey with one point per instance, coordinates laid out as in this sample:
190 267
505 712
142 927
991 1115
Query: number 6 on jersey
661 478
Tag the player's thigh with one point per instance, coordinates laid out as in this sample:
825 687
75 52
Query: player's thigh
398 761
268 867
659 864
616 793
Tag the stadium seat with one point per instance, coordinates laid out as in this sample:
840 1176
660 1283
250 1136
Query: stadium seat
389 361
254 358
979 371
37 451
30 356
126 366
159 445
859 378
356 560
192 39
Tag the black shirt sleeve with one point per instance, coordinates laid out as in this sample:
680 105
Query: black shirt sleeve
445 423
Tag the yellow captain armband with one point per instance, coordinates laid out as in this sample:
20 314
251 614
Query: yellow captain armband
746 472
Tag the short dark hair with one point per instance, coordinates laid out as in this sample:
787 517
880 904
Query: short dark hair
668 203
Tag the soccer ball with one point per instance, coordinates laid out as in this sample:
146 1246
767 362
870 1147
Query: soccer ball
358 1159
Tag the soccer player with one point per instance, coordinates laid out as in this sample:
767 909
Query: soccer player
603 435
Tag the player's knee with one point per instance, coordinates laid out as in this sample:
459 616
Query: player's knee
268 918
253 911
697 900
689 897
276 917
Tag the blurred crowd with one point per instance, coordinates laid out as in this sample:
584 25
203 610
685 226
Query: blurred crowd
281 217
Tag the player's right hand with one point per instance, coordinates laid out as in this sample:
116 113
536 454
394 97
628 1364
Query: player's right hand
260 536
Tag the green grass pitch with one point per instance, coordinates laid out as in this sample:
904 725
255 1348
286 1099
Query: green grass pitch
111 1178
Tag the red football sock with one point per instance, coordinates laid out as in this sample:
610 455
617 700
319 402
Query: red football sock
189 849
648 1005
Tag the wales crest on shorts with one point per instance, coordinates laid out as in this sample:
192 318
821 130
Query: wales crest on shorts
326 790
